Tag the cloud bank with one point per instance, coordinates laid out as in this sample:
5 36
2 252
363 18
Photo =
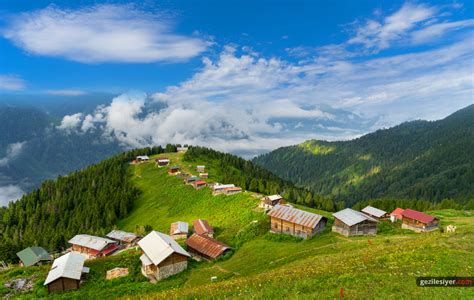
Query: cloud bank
102 33
9 193
13 150
11 82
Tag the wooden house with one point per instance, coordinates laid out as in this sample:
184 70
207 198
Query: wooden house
162 256
288 220
232 190
162 161
200 169
349 222
206 247
202 227
126 239
142 158
218 188
32 256
174 170
66 273
199 184
179 230
92 246
375 213
204 175
418 221
268 202
396 214
191 179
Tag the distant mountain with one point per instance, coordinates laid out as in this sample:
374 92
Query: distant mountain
32 149
429 160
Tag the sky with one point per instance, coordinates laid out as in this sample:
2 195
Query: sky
241 76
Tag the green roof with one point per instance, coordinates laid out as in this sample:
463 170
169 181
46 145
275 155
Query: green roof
33 255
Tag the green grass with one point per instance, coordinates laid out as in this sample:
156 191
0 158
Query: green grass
266 265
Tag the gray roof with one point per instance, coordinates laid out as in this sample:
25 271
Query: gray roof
351 217
295 215
373 211
69 266
122 236
90 241
179 227
158 246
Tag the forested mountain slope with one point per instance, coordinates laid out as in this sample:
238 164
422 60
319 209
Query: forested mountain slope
415 160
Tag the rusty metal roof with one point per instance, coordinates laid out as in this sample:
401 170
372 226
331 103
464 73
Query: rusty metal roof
202 227
294 215
206 245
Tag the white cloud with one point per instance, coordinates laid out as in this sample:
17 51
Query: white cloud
13 150
70 122
436 31
378 35
11 82
10 193
66 92
102 33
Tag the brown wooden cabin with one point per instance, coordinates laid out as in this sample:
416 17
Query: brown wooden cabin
418 221
288 220
93 246
162 256
66 273
268 202
349 222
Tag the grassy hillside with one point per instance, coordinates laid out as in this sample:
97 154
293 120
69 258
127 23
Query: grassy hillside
265 265
415 160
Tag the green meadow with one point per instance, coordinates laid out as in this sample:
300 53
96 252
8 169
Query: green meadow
265 265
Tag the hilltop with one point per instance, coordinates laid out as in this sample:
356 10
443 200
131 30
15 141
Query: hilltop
424 160
262 265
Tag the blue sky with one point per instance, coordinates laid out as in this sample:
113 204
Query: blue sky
242 75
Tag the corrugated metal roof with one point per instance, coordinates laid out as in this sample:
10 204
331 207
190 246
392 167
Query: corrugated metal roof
179 228
33 255
145 260
69 266
295 215
202 227
274 197
206 245
222 186
351 217
158 246
123 236
373 211
417 215
90 241
143 157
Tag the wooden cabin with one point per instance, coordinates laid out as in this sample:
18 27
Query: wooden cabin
349 222
375 213
179 230
162 161
396 214
162 256
34 256
199 184
232 190
418 221
142 158
202 227
126 239
66 273
191 179
173 170
268 202
204 175
218 188
200 169
288 220
92 246
206 247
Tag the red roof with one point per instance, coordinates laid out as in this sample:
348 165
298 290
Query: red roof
199 182
111 248
397 212
202 227
208 246
417 215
